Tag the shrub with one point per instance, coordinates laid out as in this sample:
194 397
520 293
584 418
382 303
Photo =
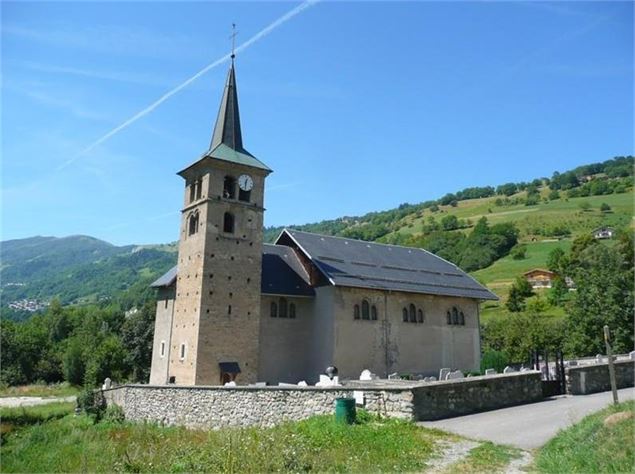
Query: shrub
519 252
494 360
605 207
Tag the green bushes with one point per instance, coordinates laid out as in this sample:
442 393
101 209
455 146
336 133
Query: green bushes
494 360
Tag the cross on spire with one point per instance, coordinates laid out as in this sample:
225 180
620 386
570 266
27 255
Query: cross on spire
233 38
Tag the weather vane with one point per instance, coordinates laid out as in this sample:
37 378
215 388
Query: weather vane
233 38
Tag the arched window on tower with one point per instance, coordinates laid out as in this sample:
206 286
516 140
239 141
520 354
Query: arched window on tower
420 315
373 313
291 310
192 223
449 317
356 312
274 309
365 310
228 223
461 318
404 313
199 187
229 187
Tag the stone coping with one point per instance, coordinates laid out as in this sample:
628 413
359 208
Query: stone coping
599 364
356 385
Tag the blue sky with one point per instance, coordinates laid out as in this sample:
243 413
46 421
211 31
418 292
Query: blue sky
356 106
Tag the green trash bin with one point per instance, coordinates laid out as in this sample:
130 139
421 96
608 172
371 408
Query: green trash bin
345 410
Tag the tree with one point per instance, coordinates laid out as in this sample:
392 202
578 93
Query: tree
557 292
518 252
519 291
137 336
585 205
557 261
553 195
450 222
605 207
604 296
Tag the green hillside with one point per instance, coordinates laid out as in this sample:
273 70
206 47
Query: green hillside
541 214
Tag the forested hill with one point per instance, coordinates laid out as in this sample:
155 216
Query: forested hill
75 269
82 269
608 177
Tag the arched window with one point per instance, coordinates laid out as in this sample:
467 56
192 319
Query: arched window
192 191
199 187
229 187
461 319
244 195
192 225
419 316
292 310
449 318
283 307
356 312
228 223
455 315
404 315
274 309
365 310
413 314
373 313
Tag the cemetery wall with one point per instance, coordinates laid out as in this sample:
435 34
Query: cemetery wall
217 407
439 400
585 379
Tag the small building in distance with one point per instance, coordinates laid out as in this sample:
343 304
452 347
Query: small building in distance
604 233
540 278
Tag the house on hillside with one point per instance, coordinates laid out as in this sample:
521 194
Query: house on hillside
604 233
237 309
539 278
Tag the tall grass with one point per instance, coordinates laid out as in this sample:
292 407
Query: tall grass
589 446
75 443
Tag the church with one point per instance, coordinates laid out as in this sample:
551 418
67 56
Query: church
237 309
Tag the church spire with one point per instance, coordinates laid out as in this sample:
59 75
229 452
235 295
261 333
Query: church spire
227 128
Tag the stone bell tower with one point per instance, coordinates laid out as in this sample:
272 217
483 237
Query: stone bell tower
215 327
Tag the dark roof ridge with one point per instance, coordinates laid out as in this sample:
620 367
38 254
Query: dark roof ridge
371 243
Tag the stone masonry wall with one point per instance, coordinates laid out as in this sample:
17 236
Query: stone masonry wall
438 400
217 407
585 379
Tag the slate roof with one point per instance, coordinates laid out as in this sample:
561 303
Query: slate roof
282 273
355 263
166 279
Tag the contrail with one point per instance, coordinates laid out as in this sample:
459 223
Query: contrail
258 36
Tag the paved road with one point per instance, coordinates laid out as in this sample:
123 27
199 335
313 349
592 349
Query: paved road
12 402
528 426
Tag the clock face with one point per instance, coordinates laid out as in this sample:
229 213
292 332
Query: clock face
245 182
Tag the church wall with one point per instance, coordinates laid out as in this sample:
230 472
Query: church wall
322 344
390 345
162 330
284 342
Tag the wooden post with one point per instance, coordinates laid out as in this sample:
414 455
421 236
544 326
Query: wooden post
609 354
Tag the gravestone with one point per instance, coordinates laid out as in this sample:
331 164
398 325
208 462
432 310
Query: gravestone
302 383
230 384
443 373
572 363
631 355
393 376
457 374
367 375
509 370
599 359
107 384
490 372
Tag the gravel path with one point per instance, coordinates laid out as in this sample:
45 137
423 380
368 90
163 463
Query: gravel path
452 452
518 465
13 402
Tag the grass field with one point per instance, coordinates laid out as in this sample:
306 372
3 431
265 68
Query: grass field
39 390
528 218
73 444
590 446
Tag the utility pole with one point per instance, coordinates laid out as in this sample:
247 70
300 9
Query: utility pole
609 354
